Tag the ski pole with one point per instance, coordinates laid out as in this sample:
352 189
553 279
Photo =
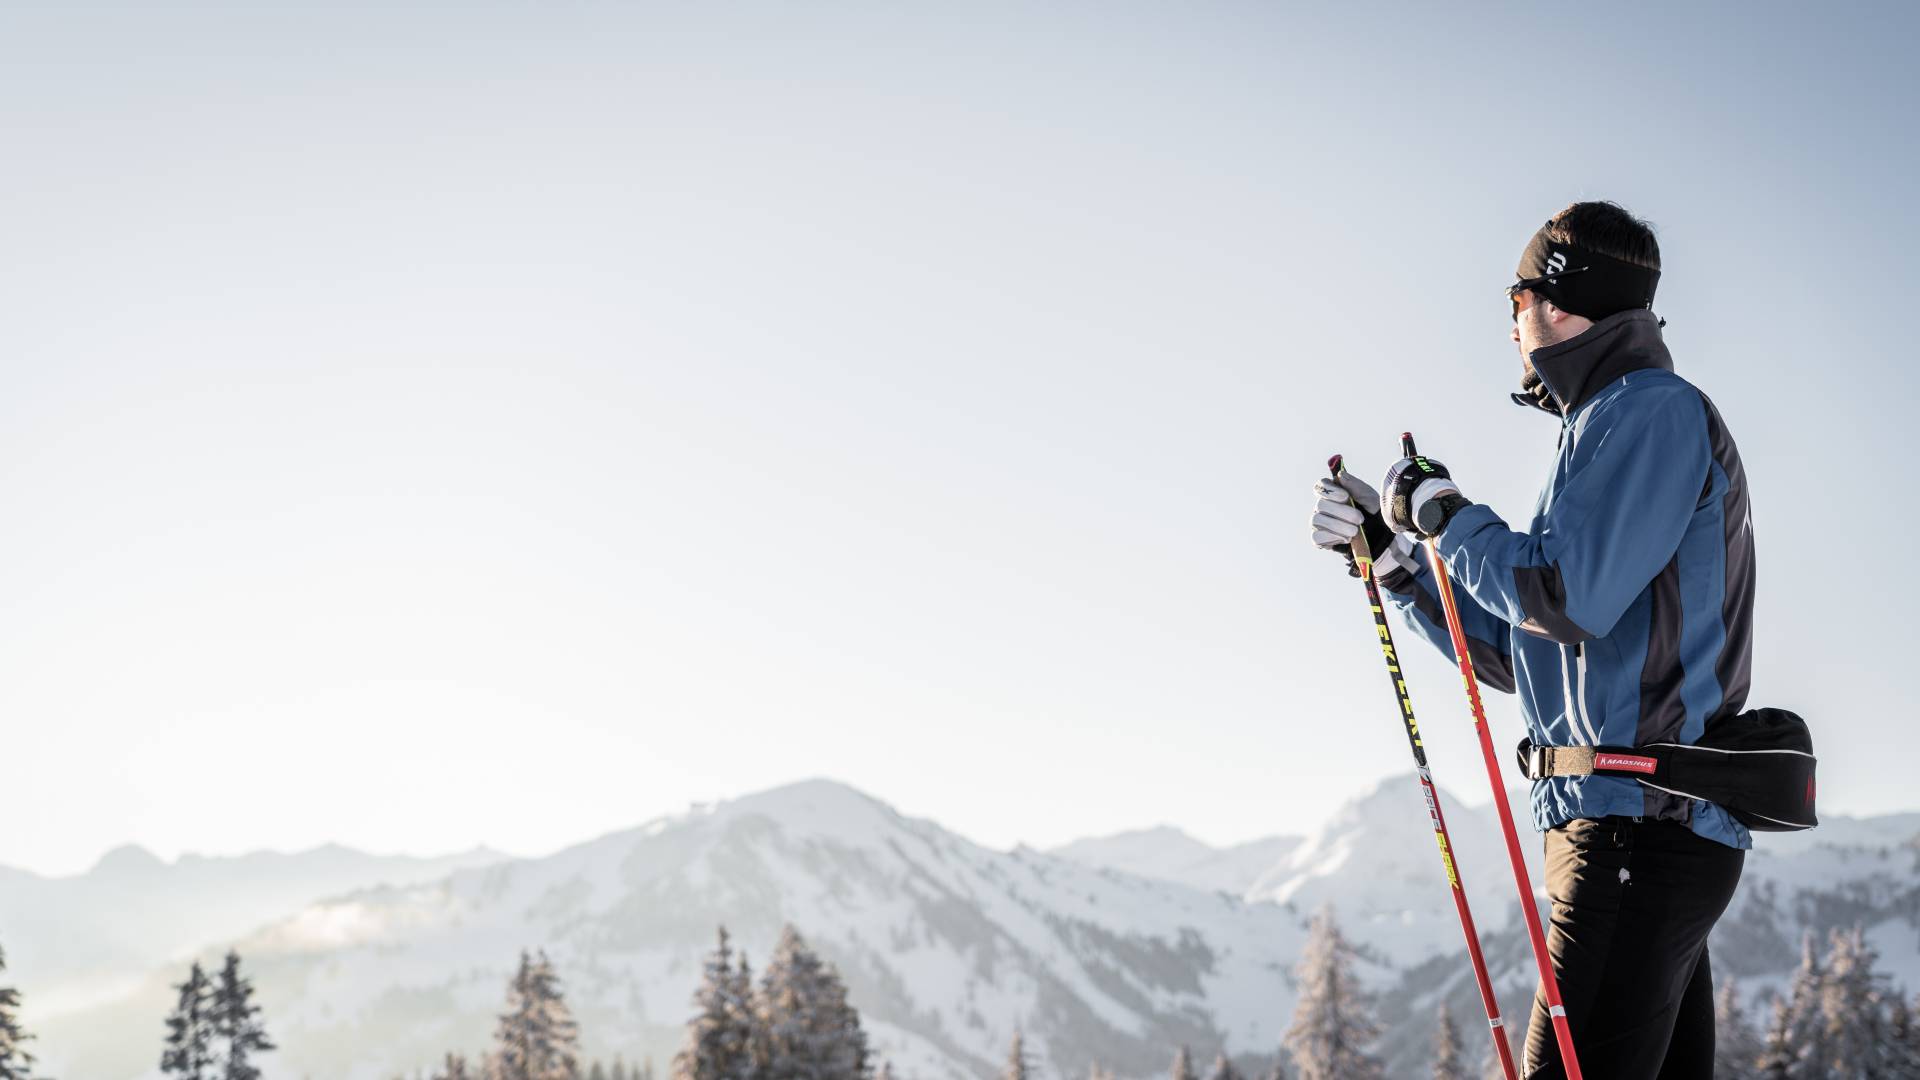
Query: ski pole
1497 1026
1549 986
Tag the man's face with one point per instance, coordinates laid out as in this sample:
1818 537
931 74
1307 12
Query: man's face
1532 327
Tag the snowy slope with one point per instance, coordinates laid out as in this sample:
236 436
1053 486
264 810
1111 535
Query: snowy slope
1376 861
1846 872
1377 864
85 937
947 948
1171 855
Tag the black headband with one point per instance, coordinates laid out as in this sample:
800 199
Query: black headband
1584 282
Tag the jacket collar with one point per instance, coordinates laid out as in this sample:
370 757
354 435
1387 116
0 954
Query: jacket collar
1576 369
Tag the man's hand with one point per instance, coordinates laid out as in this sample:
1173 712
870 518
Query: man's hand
1420 497
1345 508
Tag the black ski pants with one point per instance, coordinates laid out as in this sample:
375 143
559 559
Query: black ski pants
1633 902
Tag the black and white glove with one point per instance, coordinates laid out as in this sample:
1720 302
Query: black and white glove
1419 497
1346 508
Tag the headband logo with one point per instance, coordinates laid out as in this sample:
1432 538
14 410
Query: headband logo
1556 262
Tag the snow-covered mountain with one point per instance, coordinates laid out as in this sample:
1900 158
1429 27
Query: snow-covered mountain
1379 868
89 936
1169 854
947 946
1377 863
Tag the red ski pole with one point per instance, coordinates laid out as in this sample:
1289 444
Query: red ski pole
1497 1026
1549 986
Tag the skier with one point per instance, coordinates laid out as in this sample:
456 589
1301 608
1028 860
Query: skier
1621 616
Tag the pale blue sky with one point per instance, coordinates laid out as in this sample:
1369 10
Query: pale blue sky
428 424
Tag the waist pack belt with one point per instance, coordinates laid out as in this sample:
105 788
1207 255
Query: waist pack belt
1758 766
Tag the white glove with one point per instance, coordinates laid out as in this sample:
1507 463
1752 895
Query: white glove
1336 517
1346 509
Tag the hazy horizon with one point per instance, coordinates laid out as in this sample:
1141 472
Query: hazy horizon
428 426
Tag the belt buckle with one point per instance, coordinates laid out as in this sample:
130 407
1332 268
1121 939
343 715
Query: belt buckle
1537 763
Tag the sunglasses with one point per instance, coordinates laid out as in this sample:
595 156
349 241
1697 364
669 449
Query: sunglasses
1528 284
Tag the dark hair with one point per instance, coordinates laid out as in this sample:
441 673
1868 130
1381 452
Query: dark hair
1607 228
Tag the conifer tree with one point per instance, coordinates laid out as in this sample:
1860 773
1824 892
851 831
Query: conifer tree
1183 1065
1278 1072
1737 1047
536 1038
189 1048
1900 1033
453 1068
886 1071
811 1032
597 1072
1223 1068
759 1049
1018 1067
15 1062
1860 1010
1449 1058
1777 1055
1806 1036
1333 1021
720 1038
235 1019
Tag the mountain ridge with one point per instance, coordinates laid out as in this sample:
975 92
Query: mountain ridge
947 946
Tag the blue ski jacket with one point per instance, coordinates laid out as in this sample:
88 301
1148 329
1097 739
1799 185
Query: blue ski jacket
1622 615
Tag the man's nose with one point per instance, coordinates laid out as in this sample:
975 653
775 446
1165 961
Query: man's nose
1514 334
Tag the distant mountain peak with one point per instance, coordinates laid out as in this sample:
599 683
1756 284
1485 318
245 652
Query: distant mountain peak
128 860
814 803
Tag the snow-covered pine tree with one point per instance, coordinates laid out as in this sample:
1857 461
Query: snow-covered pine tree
1806 1038
1737 1047
811 1032
746 1003
1278 1072
720 1037
1182 1065
15 1062
886 1071
237 1030
597 1071
1777 1057
453 1068
1333 1022
536 1038
1223 1068
1900 1031
1018 1067
189 1049
1449 1058
1855 1008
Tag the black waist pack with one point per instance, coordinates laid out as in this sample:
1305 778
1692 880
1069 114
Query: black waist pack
1757 765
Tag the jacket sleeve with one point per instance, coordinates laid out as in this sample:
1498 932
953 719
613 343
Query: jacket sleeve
1488 636
1632 484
